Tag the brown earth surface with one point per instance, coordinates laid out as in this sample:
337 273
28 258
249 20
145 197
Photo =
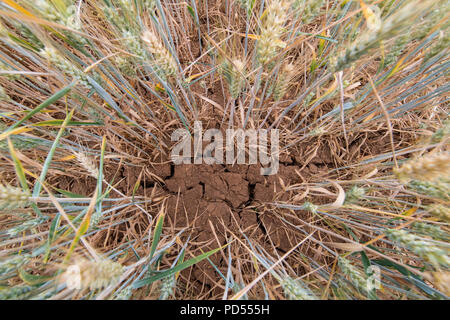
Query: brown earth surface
210 202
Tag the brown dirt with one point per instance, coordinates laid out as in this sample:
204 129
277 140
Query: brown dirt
212 202
208 201
211 199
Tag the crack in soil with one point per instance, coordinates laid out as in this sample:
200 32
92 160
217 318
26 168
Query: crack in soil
208 199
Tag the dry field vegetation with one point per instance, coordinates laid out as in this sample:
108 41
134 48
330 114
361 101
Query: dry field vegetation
90 92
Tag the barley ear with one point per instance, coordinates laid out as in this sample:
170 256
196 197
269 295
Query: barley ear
13 198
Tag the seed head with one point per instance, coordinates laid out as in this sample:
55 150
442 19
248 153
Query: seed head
150 5
234 75
442 281
247 5
124 294
163 60
272 30
442 132
431 230
442 44
67 18
15 293
3 95
87 164
308 9
355 276
13 263
284 78
439 188
167 287
294 290
354 194
423 248
24 226
311 207
52 55
428 168
92 274
318 131
13 198
9 76
393 25
440 211
373 18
